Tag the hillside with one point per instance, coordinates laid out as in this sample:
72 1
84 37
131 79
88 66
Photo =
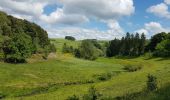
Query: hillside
65 76
16 33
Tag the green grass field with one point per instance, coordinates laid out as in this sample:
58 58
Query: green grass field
64 76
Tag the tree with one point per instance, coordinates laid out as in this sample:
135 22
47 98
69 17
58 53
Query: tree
129 45
70 38
142 44
87 50
114 48
155 40
17 49
163 48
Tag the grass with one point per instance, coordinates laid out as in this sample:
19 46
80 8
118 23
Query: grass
60 42
64 76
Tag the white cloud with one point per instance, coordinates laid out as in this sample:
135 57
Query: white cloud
60 18
167 1
102 9
82 33
153 28
160 10
73 12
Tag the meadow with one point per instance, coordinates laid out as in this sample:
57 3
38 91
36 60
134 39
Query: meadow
65 75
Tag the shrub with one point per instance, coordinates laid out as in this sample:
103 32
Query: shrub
74 97
67 49
92 94
77 53
70 38
87 50
151 83
104 77
132 68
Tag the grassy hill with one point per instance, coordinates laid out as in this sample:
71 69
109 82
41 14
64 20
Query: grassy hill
64 76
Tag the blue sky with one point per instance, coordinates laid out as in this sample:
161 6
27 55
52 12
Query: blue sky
99 19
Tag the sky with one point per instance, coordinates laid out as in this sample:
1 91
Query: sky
93 19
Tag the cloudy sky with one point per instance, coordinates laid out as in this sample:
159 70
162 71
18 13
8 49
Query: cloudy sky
96 19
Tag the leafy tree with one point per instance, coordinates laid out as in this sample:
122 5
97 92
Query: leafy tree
156 39
17 49
70 38
27 33
114 48
163 48
88 50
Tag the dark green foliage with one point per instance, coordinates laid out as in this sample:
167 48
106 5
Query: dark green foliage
159 45
70 38
163 49
155 40
24 39
92 94
113 48
151 83
77 53
74 97
104 77
87 50
132 68
17 49
128 46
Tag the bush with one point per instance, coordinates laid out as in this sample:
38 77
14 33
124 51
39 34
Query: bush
151 83
77 53
132 68
70 38
67 49
104 77
92 94
87 50
74 97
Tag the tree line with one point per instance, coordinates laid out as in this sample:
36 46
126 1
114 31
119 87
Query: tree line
132 45
19 39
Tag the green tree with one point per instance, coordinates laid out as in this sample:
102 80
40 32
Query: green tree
88 50
113 48
17 49
156 39
70 38
142 44
163 48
